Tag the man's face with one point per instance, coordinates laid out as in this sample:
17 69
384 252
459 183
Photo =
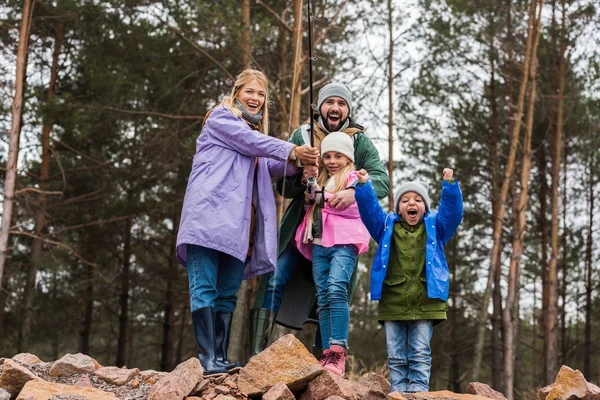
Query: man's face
411 208
334 112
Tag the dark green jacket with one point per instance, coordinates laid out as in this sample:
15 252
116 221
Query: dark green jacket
404 292
365 156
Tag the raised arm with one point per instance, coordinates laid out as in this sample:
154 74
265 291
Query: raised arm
450 212
371 213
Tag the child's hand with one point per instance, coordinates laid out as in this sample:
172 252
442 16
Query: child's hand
448 173
363 176
310 171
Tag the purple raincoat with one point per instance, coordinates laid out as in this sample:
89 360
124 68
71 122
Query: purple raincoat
218 199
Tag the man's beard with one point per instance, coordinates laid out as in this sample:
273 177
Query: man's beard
333 127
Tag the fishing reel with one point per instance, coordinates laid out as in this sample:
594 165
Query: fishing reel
311 189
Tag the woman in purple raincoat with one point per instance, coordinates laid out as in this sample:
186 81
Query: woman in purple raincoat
228 228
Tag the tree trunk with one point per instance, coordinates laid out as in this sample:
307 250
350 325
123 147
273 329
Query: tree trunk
589 284
390 106
542 223
493 167
169 314
15 132
530 53
124 299
563 311
296 89
246 40
40 212
183 327
510 309
550 330
88 310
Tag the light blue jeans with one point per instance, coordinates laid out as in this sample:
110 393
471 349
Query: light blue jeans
214 278
409 354
332 270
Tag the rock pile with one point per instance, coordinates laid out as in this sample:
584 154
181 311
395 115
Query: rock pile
284 371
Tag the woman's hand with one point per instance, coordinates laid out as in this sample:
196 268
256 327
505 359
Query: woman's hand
307 155
362 176
448 174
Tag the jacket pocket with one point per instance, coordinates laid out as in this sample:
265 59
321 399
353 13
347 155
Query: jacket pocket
431 305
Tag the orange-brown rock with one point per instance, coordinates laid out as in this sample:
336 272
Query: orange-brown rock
27 359
570 383
39 389
179 383
373 387
395 396
135 383
484 390
286 361
14 376
84 380
328 384
71 364
442 395
151 376
117 376
279 392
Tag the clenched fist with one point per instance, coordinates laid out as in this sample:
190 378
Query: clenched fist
363 176
448 174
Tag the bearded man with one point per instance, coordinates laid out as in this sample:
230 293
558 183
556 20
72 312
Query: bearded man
293 271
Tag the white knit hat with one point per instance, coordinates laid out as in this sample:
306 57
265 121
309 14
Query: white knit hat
335 90
340 142
419 188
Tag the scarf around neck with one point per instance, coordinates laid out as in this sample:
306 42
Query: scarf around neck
254 120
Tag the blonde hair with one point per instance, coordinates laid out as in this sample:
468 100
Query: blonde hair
243 78
339 179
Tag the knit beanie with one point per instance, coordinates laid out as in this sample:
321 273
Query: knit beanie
340 142
335 90
419 188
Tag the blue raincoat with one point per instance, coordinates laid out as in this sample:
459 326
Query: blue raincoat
440 226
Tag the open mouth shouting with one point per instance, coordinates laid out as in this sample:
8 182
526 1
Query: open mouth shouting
334 120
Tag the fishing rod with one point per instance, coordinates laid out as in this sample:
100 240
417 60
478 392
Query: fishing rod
311 183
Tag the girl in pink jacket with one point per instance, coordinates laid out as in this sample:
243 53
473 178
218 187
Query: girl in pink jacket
333 238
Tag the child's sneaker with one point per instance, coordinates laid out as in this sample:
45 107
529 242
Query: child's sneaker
336 361
324 357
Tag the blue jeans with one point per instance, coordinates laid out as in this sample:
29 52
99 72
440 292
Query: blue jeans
332 270
214 277
409 354
287 263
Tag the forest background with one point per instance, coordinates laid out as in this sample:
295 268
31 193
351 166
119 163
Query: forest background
102 102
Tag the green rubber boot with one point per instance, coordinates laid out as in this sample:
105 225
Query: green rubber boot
263 321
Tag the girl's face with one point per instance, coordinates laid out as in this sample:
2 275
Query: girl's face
411 208
335 161
252 96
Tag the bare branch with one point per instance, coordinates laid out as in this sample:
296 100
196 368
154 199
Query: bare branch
36 190
155 114
59 244
316 84
98 222
331 24
277 16
195 45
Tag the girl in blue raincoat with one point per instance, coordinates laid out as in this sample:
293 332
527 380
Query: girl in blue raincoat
410 275
228 226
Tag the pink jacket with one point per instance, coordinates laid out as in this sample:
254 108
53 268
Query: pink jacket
339 227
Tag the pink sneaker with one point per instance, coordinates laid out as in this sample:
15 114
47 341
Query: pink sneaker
336 362
324 358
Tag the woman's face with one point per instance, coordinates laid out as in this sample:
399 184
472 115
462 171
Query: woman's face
252 96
